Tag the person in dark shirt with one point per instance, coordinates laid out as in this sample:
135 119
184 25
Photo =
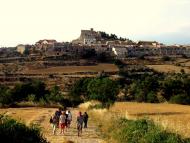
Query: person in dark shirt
85 118
79 123
58 114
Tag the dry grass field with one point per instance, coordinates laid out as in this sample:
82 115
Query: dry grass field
168 68
175 118
41 116
73 69
187 64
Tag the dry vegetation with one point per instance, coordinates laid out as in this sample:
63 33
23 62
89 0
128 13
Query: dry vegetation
171 66
74 69
168 68
186 64
171 116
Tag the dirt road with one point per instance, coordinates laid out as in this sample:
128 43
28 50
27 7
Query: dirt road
41 116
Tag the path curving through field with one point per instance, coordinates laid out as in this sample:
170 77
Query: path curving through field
90 135
41 117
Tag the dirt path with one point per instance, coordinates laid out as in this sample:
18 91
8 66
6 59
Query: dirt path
41 116
90 135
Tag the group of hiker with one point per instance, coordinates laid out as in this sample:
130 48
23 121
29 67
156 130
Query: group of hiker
62 119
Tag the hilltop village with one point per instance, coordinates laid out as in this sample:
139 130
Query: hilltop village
92 44
91 54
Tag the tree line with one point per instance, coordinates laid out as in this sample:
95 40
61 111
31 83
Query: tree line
34 91
152 88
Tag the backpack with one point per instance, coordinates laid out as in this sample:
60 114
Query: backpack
55 119
51 120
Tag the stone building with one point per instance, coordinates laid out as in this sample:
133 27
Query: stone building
149 44
162 51
120 52
20 48
43 45
87 37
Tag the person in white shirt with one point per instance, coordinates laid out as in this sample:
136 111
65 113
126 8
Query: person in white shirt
69 119
62 123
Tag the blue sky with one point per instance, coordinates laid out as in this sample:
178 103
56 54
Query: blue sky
27 21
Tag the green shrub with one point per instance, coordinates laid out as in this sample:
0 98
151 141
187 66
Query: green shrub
78 91
5 96
55 95
104 90
142 131
42 102
151 97
31 97
119 63
166 58
12 131
180 99
21 91
172 87
140 96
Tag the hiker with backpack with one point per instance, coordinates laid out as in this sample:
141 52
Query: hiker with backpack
53 121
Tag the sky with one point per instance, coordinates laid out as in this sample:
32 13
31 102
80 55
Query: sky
27 21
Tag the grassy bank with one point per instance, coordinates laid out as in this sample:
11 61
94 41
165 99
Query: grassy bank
13 131
141 131
116 129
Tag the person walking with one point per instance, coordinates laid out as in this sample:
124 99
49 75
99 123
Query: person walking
53 121
58 114
79 123
85 118
66 119
62 122
69 119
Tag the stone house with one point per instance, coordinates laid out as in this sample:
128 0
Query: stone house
20 48
149 44
43 45
120 52
87 37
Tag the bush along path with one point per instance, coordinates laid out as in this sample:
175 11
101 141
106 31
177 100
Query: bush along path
142 131
89 135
